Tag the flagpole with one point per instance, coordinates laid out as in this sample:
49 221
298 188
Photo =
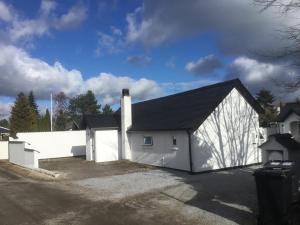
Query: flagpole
51 112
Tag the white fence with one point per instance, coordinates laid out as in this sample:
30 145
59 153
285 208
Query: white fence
3 150
56 144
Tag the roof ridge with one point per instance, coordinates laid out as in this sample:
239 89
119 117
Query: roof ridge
192 90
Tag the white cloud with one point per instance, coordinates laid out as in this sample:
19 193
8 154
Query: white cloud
5 12
21 72
257 75
239 26
109 43
138 60
23 29
204 65
5 109
74 17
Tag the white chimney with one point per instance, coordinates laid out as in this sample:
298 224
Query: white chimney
126 122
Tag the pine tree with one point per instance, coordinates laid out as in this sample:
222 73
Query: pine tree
23 117
107 110
266 99
44 123
61 111
32 103
83 104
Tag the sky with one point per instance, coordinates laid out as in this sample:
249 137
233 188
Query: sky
152 47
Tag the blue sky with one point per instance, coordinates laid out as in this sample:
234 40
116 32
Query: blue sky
152 47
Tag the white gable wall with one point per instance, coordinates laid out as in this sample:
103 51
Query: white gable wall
271 146
162 152
228 137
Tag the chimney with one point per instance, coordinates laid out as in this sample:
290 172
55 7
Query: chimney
126 122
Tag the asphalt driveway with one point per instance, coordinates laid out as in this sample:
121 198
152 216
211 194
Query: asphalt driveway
135 195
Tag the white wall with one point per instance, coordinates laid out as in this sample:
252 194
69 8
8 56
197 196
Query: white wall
162 152
228 137
3 150
287 123
106 145
19 154
56 144
273 145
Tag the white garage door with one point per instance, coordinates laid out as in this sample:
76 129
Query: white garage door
275 155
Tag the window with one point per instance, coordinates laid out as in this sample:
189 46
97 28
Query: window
174 140
148 140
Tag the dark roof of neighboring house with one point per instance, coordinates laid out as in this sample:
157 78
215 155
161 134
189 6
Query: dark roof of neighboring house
292 107
100 121
4 130
186 110
287 141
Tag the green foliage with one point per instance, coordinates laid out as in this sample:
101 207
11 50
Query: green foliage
4 123
32 103
44 123
61 111
23 117
83 104
107 110
266 99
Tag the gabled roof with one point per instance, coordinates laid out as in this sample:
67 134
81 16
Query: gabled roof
286 140
288 109
4 130
100 121
186 110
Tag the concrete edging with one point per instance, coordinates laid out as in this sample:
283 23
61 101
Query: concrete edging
39 170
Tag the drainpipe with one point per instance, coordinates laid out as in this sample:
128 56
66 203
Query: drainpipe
190 152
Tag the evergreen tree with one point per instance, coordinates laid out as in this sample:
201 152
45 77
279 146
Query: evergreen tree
44 123
61 111
83 104
32 103
107 110
23 117
266 99
4 123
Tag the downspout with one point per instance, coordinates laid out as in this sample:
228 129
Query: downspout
190 151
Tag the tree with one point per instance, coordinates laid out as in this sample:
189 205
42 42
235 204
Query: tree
291 33
83 104
266 99
32 103
44 123
23 117
4 123
107 110
61 111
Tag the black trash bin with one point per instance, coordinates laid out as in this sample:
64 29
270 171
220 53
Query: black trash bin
274 185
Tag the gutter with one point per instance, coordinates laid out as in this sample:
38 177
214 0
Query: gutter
190 152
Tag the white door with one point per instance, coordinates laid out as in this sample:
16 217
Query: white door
275 155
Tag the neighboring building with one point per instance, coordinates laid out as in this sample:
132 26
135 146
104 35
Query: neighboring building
208 128
4 133
283 142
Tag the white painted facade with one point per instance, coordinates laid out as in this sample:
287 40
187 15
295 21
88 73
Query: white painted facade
56 144
228 137
272 150
162 152
291 125
107 145
126 122
3 150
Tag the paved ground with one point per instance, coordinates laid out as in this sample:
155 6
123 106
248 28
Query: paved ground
136 195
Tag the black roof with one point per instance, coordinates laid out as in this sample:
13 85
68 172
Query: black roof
186 110
291 107
4 130
287 140
100 121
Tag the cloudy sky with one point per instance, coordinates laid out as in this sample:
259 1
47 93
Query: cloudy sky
152 47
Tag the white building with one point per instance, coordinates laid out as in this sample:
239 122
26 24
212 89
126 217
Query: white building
284 136
212 127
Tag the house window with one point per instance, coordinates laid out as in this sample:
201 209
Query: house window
174 140
148 140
